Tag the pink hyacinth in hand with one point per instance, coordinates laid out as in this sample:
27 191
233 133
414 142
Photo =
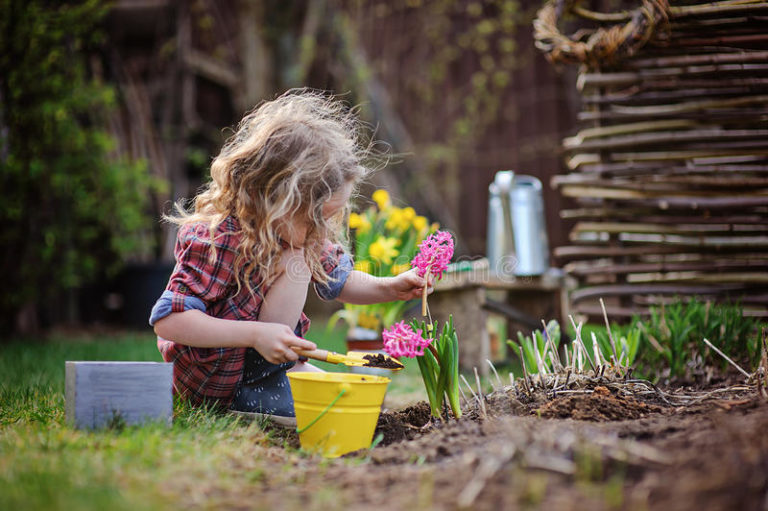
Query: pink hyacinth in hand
435 253
401 341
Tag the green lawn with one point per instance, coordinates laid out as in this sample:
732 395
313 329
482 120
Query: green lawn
44 464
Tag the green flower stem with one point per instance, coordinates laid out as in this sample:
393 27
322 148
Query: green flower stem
439 368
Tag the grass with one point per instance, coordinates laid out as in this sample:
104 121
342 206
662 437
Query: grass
45 464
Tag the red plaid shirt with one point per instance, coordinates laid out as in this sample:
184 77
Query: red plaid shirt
212 374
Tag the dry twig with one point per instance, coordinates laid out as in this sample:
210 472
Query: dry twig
734 364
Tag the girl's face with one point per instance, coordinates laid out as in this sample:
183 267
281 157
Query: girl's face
294 230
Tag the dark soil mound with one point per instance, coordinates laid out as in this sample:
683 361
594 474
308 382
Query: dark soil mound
597 406
403 424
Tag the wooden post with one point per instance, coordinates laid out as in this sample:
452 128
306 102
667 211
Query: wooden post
469 319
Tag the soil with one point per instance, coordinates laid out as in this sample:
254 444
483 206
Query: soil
404 424
379 360
598 406
597 449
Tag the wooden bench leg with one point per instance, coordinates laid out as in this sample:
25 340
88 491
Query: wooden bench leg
470 320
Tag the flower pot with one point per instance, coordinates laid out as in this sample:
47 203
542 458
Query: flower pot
364 339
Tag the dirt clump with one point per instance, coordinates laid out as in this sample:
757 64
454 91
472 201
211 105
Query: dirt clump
598 406
405 424
501 403
454 437
379 360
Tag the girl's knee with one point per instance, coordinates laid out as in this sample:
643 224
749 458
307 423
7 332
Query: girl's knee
305 367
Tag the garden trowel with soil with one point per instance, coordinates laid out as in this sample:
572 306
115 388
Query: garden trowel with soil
354 358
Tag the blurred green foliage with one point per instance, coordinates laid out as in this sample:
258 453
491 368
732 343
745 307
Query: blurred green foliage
672 338
71 209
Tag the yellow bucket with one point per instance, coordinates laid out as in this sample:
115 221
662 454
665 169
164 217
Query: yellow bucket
336 413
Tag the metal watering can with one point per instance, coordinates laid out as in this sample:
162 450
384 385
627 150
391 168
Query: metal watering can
517 235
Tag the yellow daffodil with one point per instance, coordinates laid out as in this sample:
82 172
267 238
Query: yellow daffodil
393 217
355 221
397 269
398 219
364 266
420 223
409 214
383 249
381 197
367 320
359 223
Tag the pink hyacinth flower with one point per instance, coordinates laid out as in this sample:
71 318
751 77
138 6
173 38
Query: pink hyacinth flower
435 253
401 341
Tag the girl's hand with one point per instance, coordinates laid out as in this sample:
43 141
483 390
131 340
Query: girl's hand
276 341
408 285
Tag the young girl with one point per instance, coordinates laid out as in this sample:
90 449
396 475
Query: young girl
266 225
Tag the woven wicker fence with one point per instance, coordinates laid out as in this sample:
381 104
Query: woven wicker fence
670 166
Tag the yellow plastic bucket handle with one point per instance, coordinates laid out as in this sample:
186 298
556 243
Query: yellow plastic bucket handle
320 416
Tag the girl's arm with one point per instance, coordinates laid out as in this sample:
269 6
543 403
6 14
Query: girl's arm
195 328
363 289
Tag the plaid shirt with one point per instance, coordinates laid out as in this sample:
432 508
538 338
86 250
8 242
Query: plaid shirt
213 374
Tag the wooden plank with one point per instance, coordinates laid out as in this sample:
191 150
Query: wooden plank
606 169
688 242
649 228
721 9
662 156
701 278
583 269
586 81
647 251
650 97
595 292
637 139
99 394
707 115
481 275
666 183
571 252
688 60
653 216
630 197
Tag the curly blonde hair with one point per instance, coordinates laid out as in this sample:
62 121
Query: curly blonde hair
286 159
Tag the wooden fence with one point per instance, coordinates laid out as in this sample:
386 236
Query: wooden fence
669 168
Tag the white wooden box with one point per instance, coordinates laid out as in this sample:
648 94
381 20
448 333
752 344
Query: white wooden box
103 393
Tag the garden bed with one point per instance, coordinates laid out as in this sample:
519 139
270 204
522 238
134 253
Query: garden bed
593 450
586 442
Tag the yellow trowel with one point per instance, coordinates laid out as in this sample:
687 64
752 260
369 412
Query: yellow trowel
354 358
